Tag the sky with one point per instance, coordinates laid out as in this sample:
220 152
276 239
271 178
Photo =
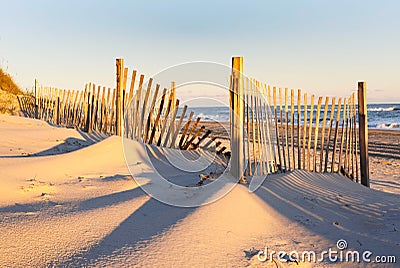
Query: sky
321 47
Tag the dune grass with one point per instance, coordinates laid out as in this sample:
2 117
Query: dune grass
8 91
7 84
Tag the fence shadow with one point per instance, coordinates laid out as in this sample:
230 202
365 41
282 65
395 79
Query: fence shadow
68 145
333 207
141 226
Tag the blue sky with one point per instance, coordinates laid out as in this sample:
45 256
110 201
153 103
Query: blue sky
322 47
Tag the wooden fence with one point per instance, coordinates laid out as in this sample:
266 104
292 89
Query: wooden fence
272 129
144 112
278 129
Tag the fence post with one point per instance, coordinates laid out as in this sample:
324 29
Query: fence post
237 118
363 133
36 99
119 98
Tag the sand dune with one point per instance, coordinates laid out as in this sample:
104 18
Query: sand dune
79 206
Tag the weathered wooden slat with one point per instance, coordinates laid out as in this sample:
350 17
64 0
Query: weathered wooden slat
264 124
79 110
261 139
144 111
191 139
165 121
113 112
247 96
132 87
201 139
63 106
153 132
91 113
90 105
258 132
149 116
333 106
75 96
54 108
342 135
305 119
69 107
253 129
42 103
298 129
57 108
102 110
94 109
85 125
356 145
292 128
171 128
136 111
124 91
185 129
310 127
282 129
363 133
271 117
336 135
350 164
322 150
66 105
99 108
178 127
316 134
262 129
190 133
75 107
287 129
347 134
107 111
355 149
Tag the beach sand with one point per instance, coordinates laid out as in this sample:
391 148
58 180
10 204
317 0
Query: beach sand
67 199
384 161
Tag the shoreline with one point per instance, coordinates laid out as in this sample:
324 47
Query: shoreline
394 130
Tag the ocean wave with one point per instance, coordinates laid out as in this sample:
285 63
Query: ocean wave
392 125
383 109
219 118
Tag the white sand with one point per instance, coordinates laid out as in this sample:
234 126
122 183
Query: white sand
82 208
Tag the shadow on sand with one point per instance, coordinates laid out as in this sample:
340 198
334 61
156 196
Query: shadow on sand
333 207
68 145
151 219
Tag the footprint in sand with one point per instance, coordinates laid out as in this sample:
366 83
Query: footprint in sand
88 187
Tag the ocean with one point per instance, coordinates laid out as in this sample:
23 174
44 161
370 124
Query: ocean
380 116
